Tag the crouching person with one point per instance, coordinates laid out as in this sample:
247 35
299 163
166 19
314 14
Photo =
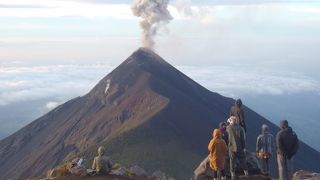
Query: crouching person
101 163
218 152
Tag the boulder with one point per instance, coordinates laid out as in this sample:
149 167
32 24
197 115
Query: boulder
138 171
203 171
306 175
76 167
59 171
159 175
120 172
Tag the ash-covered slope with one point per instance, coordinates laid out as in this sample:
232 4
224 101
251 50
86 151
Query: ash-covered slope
146 112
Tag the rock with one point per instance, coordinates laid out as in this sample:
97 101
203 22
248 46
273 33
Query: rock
255 177
253 163
120 172
76 167
203 171
59 171
138 171
305 175
159 175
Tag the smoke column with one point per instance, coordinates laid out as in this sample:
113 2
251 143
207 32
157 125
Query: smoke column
154 14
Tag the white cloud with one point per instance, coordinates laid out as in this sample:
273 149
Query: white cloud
308 10
60 82
183 10
51 105
59 8
238 80
63 82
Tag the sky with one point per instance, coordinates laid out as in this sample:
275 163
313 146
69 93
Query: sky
35 32
54 50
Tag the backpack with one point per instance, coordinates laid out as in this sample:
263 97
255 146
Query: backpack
295 146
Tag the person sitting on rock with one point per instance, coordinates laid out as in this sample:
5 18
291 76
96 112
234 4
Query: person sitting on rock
218 152
101 164
264 149
237 140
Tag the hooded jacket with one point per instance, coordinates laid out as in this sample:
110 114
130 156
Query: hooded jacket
237 111
265 141
236 137
287 142
218 151
101 164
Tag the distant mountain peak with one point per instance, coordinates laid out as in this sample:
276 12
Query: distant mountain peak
147 50
145 55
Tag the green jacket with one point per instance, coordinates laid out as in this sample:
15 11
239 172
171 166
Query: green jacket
237 138
102 164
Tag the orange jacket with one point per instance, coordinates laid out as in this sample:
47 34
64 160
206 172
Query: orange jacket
218 151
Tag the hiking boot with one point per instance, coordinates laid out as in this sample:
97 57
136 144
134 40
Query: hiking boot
246 173
266 174
233 175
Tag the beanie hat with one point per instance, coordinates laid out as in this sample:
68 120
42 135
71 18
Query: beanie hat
222 124
283 124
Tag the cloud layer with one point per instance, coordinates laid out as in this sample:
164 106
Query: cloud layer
28 92
63 82
58 8
241 79
60 82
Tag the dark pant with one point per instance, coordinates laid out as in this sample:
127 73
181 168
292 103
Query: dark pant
222 173
241 157
265 166
285 167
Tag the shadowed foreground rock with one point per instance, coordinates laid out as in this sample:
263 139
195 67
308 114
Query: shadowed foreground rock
306 175
76 169
110 177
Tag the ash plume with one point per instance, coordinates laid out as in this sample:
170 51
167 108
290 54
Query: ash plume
154 14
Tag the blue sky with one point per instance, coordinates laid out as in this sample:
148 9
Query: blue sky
234 47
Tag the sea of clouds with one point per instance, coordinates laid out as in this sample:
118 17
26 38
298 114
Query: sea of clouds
46 87
62 82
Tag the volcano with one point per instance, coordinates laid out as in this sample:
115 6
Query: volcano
145 112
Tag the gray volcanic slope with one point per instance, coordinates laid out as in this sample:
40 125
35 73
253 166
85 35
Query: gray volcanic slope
145 112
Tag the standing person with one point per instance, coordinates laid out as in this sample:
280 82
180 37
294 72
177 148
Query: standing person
218 152
287 147
264 149
237 142
238 112
223 130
